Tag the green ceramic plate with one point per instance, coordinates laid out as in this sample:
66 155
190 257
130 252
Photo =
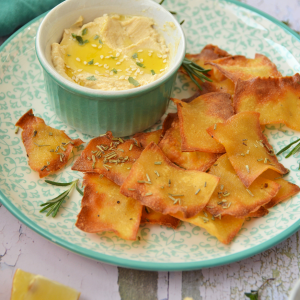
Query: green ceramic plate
233 26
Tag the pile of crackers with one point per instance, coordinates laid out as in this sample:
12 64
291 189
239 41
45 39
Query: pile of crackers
209 165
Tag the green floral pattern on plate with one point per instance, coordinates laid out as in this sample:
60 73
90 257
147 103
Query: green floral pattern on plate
235 29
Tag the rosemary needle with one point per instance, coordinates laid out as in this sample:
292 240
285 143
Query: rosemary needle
295 149
288 146
54 204
192 70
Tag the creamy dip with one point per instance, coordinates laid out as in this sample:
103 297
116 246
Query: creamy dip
111 53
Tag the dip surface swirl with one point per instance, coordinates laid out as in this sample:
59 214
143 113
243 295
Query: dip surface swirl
111 53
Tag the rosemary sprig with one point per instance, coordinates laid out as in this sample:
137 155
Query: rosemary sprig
193 69
254 293
293 151
54 204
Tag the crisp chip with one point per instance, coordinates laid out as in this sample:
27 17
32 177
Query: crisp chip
224 228
171 146
231 197
248 149
168 122
224 86
166 188
286 191
261 212
195 117
276 99
103 208
48 149
108 156
240 67
149 216
145 138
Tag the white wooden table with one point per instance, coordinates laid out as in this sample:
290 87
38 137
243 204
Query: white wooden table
20 247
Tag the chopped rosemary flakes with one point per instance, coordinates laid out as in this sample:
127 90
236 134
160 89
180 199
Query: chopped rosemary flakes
41 145
205 184
50 133
148 177
93 158
250 192
106 167
130 148
162 187
248 151
247 168
156 173
51 150
242 154
172 198
89 158
255 145
169 183
129 168
205 220
215 126
34 133
48 163
222 187
260 159
266 161
197 191
62 148
129 189
121 150
205 214
226 194
143 181
148 194
157 163
17 130
43 168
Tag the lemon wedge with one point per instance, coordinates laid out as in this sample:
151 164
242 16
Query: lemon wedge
27 286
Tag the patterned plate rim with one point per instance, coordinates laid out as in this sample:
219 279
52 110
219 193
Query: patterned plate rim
152 266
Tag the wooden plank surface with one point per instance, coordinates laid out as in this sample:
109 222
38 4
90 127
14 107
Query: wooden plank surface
20 247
